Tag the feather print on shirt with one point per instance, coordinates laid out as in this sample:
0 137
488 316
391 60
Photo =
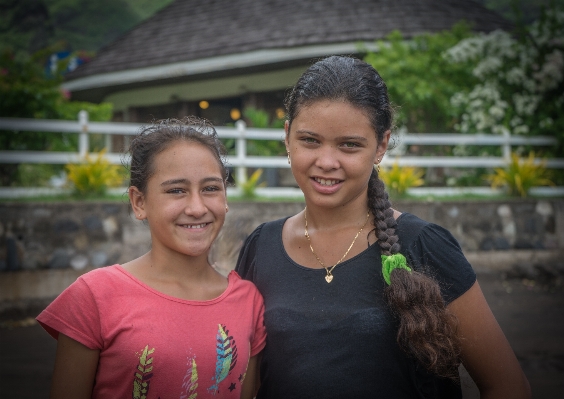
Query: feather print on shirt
143 375
226 357
190 383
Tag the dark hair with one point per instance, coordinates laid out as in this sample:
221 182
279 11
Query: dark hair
160 135
427 331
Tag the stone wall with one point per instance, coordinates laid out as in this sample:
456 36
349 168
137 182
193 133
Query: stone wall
45 246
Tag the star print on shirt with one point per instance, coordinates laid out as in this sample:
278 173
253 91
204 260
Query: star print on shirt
232 387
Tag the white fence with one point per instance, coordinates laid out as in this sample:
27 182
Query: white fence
241 133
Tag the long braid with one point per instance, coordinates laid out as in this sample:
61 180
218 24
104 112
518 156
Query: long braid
427 331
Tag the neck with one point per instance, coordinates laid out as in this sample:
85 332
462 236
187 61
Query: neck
164 266
322 218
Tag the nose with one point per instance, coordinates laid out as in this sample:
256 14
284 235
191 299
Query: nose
196 206
327 158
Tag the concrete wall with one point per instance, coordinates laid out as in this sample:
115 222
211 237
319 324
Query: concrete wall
45 246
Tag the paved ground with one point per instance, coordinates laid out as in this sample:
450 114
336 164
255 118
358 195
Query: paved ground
530 311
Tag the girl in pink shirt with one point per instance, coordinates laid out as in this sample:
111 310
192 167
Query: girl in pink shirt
167 324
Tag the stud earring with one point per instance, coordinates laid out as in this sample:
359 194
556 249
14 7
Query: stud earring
288 157
226 208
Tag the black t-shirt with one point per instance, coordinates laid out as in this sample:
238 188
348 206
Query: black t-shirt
338 340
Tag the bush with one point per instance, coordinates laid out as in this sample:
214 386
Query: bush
398 179
520 175
248 188
95 175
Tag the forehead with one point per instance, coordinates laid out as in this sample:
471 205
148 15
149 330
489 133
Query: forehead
188 158
332 113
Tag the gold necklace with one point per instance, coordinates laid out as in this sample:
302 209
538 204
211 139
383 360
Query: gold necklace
329 270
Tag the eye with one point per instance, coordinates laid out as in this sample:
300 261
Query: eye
212 188
175 190
350 144
309 140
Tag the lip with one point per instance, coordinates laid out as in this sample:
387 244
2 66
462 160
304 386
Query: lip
323 189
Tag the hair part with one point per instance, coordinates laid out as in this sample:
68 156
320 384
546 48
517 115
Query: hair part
160 135
427 331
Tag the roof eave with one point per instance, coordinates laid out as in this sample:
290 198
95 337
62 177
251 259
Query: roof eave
214 64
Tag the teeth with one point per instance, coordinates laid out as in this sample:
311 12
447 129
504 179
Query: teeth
326 182
194 226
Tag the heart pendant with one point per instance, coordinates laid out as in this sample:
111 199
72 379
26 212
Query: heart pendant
329 278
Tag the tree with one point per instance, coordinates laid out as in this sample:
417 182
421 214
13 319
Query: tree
520 80
420 80
26 92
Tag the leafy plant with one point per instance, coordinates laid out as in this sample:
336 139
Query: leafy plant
95 175
398 179
420 80
248 188
520 175
261 119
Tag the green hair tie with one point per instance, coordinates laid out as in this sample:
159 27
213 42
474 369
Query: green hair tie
392 262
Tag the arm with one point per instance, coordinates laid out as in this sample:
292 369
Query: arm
486 354
75 370
251 382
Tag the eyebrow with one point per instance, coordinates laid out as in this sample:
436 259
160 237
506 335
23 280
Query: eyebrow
346 137
186 181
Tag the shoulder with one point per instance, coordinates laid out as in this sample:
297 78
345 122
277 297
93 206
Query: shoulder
245 266
102 273
243 288
432 249
412 229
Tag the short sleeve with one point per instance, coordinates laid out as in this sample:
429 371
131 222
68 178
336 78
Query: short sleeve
435 251
74 313
246 261
259 337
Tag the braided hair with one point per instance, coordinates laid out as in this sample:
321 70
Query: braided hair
427 331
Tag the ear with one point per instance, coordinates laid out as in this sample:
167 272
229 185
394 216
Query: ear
382 147
287 135
137 201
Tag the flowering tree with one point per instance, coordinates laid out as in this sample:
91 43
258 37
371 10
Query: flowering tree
420 80
520 85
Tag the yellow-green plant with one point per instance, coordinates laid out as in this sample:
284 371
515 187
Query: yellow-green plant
248 188
520 174
398 179
94 175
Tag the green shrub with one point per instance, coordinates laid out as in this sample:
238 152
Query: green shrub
248 188
95 175
520 175
398 179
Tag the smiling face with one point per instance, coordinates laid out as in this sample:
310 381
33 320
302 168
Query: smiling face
333 148
185 200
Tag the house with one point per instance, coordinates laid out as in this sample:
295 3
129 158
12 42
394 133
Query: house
213 58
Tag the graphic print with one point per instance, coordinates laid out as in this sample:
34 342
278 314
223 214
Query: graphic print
226 357
190 383
143 375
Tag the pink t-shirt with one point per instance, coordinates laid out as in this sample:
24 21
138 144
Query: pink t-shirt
156 346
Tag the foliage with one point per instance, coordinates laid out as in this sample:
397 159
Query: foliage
30 25
95 175
520 175
261 119
419 80
26 92
520 80
248 188
398 179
